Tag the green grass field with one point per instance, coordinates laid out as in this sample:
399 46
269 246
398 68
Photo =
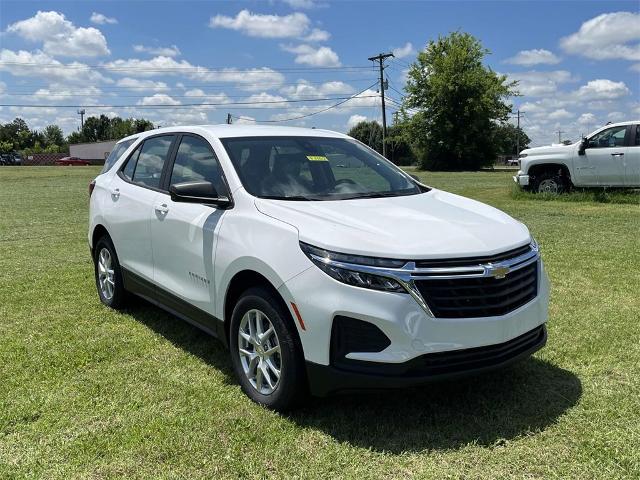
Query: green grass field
86 392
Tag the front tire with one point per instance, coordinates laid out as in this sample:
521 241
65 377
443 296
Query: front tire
550 183
266 353
108 274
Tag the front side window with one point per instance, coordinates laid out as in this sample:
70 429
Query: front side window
609 138
145 164
116 153
314 168
195 161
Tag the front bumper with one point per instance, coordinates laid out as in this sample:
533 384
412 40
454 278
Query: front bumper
326 379
521 179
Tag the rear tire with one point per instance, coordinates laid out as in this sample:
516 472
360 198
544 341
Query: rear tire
108 274
260 325
551 183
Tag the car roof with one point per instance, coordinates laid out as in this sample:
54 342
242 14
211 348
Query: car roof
242 130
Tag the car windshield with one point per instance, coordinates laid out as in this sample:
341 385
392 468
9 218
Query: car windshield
315 168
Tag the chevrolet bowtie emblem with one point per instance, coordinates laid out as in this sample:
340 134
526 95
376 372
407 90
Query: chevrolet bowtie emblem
499 271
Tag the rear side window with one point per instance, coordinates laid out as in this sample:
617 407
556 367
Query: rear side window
145 164
116 153
637 135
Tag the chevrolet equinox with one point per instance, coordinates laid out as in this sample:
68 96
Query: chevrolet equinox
318 263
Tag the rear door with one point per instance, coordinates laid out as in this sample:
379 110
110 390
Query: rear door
133 193
185 234
606 151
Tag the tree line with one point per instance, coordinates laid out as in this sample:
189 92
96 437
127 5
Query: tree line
16 136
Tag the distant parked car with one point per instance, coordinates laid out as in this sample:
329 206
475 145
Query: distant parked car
5 159
513 162
72 161
17 159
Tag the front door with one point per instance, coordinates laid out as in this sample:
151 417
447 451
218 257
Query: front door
632 159
605 151
185 234
133 194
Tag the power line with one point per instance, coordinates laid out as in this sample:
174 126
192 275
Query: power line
312 113
190 68
183 105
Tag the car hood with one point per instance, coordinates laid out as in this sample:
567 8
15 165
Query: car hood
434 224
549 150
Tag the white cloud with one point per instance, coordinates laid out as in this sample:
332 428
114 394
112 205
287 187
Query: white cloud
535 83
602 89
100 19
265 26
60 37
244 120
317 35
172 51
587 119
199 94
635 67
300 3
528 58
616 116
317 57
26 64
158 99
254 79
354 120
405 51
605 37
306 90
137 84
274 100
559 114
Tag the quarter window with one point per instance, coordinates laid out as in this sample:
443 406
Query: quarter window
195 161
609 138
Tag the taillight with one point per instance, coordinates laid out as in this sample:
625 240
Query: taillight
92 185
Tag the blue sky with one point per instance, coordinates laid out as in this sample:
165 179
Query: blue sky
578 62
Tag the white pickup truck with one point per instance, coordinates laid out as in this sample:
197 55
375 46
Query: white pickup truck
608 157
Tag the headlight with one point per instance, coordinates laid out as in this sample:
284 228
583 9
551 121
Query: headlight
522 155
534 245
337 266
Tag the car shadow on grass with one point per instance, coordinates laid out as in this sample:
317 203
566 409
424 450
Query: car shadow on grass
488 410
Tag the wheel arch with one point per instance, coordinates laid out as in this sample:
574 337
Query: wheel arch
99 231
559 168
240 283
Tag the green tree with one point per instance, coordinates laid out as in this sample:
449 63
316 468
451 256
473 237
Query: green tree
53 135
369 133
399 148
458 101
96 129
506 139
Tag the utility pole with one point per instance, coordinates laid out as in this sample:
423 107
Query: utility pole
518 134
229 121
81 113
380 59
560 132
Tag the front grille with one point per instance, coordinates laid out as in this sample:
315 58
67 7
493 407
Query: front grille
470 261
487 296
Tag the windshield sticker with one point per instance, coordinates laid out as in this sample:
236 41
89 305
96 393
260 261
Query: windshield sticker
317 158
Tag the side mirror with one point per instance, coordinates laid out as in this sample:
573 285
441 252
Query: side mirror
198 192
583 146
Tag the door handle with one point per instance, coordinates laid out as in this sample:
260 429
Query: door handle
617 154
115 192
162 209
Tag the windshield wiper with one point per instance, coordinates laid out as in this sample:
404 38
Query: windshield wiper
293 197
375 195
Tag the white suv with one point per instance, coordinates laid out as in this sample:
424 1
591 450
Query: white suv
321 265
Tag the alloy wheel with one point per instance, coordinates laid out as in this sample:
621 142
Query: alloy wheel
548 185
259 349
106 276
